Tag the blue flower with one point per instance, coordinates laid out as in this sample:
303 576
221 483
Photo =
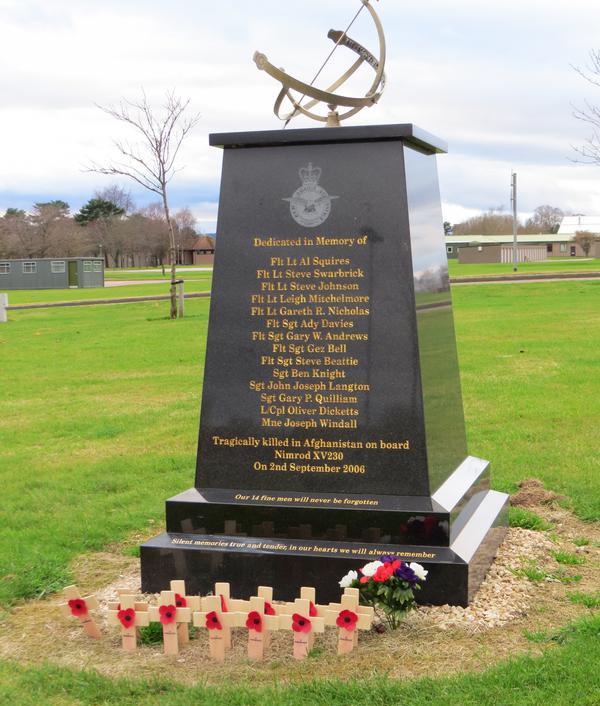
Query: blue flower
388 558
405 573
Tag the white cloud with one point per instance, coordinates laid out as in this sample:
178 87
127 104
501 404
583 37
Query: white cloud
493 79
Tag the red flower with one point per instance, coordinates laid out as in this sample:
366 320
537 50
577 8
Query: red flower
212 621
167 613
254 621
300 623
223 604
312 611
127 617
180 601
347 620
269 610
383 573
78 607
363 579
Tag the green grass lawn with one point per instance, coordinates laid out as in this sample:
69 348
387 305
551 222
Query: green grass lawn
98 425
183 271
531 383
45 296
565 674
99 417
549 266
100 413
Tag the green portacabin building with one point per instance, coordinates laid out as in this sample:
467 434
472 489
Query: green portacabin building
52 273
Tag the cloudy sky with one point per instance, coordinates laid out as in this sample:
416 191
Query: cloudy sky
495 80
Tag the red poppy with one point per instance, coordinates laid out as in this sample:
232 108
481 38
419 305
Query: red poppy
78 607
312 611
300 623
167 613
127 617
180 601
269 610
254 621
223 604
212 621
347 620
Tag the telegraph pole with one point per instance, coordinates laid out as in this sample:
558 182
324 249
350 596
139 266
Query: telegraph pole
513 200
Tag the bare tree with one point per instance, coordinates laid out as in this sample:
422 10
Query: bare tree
151 161
585 239
545 219
590 150
493 222
118 195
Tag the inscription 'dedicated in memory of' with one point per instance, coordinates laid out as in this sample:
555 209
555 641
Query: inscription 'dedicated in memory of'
309 316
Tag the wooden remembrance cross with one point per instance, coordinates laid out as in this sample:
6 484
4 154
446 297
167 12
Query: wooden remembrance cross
131 615
314 609
218 622
184 601
79 607
349 618
169 615
302 625
258 616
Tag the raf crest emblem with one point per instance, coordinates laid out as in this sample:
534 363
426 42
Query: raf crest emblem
310 204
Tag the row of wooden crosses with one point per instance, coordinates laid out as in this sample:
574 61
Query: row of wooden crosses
219 613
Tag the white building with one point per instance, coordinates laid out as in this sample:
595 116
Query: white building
571 224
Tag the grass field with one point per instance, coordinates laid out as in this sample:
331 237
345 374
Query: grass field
184 272
98 426
200 283
549 266
566 673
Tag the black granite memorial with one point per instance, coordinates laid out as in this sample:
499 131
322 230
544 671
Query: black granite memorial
332 427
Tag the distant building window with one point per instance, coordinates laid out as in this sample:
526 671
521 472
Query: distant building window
57 267
97 267
4 268
449 248
87 265
563 247
479 248
29 268
549 248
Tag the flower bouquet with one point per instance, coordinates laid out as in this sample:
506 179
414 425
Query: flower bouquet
388 585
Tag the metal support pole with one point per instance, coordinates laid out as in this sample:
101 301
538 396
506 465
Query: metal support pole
513 200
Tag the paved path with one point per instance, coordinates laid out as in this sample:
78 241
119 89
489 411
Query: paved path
129 282
531 277
94 302
180 270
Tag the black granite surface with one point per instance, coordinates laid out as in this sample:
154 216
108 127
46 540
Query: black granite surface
284 496
407 132
455 572
368 180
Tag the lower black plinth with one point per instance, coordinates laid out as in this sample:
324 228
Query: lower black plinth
286 564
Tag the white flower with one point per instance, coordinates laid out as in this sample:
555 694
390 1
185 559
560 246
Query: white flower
348 579
418 570
370 568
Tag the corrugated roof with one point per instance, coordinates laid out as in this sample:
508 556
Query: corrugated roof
499 239
571 224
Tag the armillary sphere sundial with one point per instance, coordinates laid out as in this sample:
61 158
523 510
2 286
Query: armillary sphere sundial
332 100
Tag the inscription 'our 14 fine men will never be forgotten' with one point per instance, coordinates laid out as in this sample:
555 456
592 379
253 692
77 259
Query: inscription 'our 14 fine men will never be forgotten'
309 324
